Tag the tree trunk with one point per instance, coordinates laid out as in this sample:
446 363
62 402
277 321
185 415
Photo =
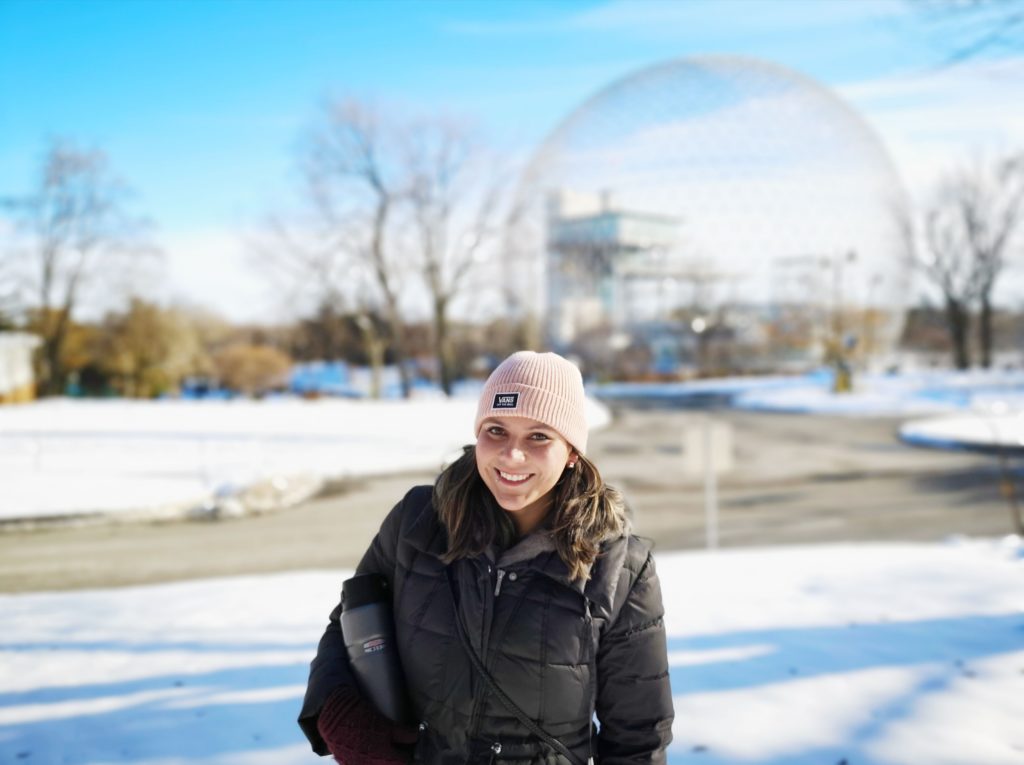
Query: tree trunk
985 331
399 350
1008 487
959 329
53 348
398 346
441 351
376 352
51 367
374 347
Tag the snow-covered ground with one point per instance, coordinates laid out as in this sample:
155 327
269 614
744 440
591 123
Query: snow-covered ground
62 457
997 430
859 654
864 654
886 395
979 410
976 411
69 457
873 394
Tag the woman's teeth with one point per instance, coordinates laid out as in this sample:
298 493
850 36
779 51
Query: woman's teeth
513 476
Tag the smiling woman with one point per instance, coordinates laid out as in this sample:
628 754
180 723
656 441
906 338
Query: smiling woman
527 405
523 606
520 462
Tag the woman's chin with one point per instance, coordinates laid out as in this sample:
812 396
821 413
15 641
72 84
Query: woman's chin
512 504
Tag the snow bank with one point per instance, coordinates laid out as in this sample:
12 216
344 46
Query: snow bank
995 432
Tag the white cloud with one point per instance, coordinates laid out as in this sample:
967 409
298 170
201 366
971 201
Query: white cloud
657 18
937 120
211 267
746 16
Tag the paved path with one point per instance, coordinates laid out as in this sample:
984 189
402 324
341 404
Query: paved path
798 479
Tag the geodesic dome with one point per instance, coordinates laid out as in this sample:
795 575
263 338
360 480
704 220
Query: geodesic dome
780 193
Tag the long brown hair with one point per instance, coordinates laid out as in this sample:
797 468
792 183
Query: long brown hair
585 512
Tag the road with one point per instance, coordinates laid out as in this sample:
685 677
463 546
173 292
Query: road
796 479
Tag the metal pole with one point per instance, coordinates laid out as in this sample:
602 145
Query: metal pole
1008 487
710 489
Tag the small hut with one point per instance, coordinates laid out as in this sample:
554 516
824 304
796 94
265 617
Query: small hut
17 383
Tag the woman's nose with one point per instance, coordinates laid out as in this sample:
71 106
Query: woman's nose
516 454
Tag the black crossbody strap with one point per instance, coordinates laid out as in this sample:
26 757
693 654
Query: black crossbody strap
503 697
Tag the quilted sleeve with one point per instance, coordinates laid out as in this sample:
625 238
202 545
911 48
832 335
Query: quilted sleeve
634 698
330 668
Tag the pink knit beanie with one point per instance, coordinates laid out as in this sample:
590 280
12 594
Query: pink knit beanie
542 386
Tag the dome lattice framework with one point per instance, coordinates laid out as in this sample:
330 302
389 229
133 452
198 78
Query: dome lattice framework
723 186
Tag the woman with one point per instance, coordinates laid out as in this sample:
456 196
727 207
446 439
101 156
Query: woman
521 555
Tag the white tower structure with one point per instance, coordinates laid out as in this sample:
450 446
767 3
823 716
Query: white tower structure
607 268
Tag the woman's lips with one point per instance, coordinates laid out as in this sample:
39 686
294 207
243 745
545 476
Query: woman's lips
512 482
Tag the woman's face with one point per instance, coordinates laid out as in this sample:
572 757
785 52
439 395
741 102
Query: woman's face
521 460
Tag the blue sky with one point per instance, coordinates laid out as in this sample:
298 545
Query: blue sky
200 105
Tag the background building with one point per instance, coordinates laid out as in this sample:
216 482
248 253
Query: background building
17 382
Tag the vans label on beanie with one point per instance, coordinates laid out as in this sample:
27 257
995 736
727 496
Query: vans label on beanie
505 401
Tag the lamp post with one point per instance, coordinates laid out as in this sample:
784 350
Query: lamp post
699 325
837 345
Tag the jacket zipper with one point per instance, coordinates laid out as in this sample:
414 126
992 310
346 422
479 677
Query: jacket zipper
478 708
486 625
496 746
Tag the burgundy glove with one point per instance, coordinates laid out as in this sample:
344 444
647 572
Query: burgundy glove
357 734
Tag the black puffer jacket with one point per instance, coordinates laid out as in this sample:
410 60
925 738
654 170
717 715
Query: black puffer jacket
561 650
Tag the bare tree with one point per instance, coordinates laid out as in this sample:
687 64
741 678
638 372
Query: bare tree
9 288
319 266
76 229
8 295
929 250
949 266
383 201
968 29
454 198
352 186
968 230
991 203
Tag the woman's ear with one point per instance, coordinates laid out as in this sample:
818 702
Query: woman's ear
573 459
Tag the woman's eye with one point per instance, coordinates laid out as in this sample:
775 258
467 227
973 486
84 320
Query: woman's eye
494 430
539 437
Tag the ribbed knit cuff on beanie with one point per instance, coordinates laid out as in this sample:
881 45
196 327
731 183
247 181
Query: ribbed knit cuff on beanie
542 386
